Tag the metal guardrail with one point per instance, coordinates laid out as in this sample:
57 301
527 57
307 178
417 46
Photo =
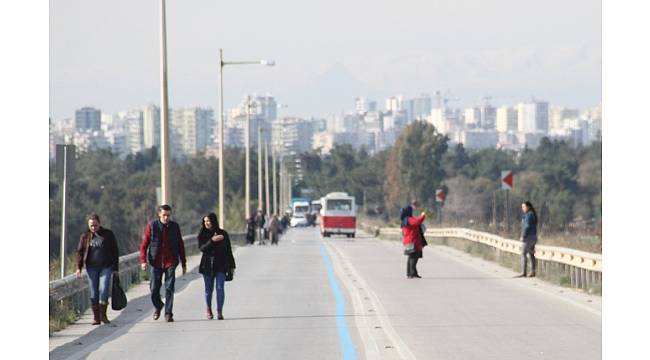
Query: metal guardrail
584 269
75 292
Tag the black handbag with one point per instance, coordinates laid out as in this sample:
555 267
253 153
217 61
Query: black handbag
409 249
118 297
229 275
424 241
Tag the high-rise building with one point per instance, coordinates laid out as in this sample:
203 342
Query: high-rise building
473 117
88 118
532 117
363 105
196 127
151 126
558 116
267 107
395 103
419 107
488 117
292 135
132 120
506 119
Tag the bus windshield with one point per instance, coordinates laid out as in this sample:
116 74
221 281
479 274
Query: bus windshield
339 204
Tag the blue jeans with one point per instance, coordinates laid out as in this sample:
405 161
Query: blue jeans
210 280
99 281
155 283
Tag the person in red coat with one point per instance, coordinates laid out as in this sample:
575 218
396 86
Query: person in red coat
412 239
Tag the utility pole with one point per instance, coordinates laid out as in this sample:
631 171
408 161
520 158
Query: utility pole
259 165
266 176
275 185
247 135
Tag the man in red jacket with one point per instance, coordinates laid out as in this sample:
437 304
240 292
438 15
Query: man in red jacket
162 247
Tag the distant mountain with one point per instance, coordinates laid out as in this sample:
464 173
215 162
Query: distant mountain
331 92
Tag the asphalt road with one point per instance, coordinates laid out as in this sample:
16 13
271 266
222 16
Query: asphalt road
340 298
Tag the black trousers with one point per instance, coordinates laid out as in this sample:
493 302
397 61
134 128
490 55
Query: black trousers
411 263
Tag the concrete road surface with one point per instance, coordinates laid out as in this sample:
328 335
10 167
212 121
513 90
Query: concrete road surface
340 298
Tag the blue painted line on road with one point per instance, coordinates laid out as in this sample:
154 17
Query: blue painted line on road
341 323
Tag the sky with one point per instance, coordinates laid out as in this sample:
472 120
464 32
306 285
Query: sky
106 53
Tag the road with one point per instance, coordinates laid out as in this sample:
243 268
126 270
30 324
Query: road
340 298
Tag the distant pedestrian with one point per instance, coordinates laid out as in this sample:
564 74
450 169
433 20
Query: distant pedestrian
259 224
163 248
250 230
98 251
413 239
274 229
216 261
529 238
284 222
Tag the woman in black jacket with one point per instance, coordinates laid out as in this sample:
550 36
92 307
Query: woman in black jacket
216 261
529 238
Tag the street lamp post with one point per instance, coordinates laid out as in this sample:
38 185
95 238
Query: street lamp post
222 63
165 181
259 166
275 185
266 176
248 158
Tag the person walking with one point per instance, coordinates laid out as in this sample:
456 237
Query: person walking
216 260
529 238
413 239
97 250
259 223
274 229
162 249
250 230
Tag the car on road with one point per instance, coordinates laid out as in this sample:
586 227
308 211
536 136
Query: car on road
298 220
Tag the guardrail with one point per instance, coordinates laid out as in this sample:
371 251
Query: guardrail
578 268
75 292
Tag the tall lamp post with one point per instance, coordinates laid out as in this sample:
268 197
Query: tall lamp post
266 181
222 63
165 181
247 136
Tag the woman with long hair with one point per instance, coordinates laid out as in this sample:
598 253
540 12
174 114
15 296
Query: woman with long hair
98 251
216 261
412 240
529 238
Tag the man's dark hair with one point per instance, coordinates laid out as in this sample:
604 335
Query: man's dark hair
164 207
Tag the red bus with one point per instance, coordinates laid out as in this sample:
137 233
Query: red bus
338 214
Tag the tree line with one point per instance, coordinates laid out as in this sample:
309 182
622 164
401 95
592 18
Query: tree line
562 181
123 193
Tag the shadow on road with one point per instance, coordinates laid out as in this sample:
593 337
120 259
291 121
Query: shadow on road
137 309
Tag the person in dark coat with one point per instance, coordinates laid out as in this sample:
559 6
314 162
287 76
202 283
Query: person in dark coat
250 230
274 229
162 249
259 223
216 261
98 251
529 238
412 232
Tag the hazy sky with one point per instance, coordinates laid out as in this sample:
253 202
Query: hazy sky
106 53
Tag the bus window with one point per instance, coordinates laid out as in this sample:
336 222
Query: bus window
340 205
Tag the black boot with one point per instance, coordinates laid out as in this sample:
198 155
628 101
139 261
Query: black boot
96 318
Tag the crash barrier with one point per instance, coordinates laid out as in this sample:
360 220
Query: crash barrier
74 291
578 269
